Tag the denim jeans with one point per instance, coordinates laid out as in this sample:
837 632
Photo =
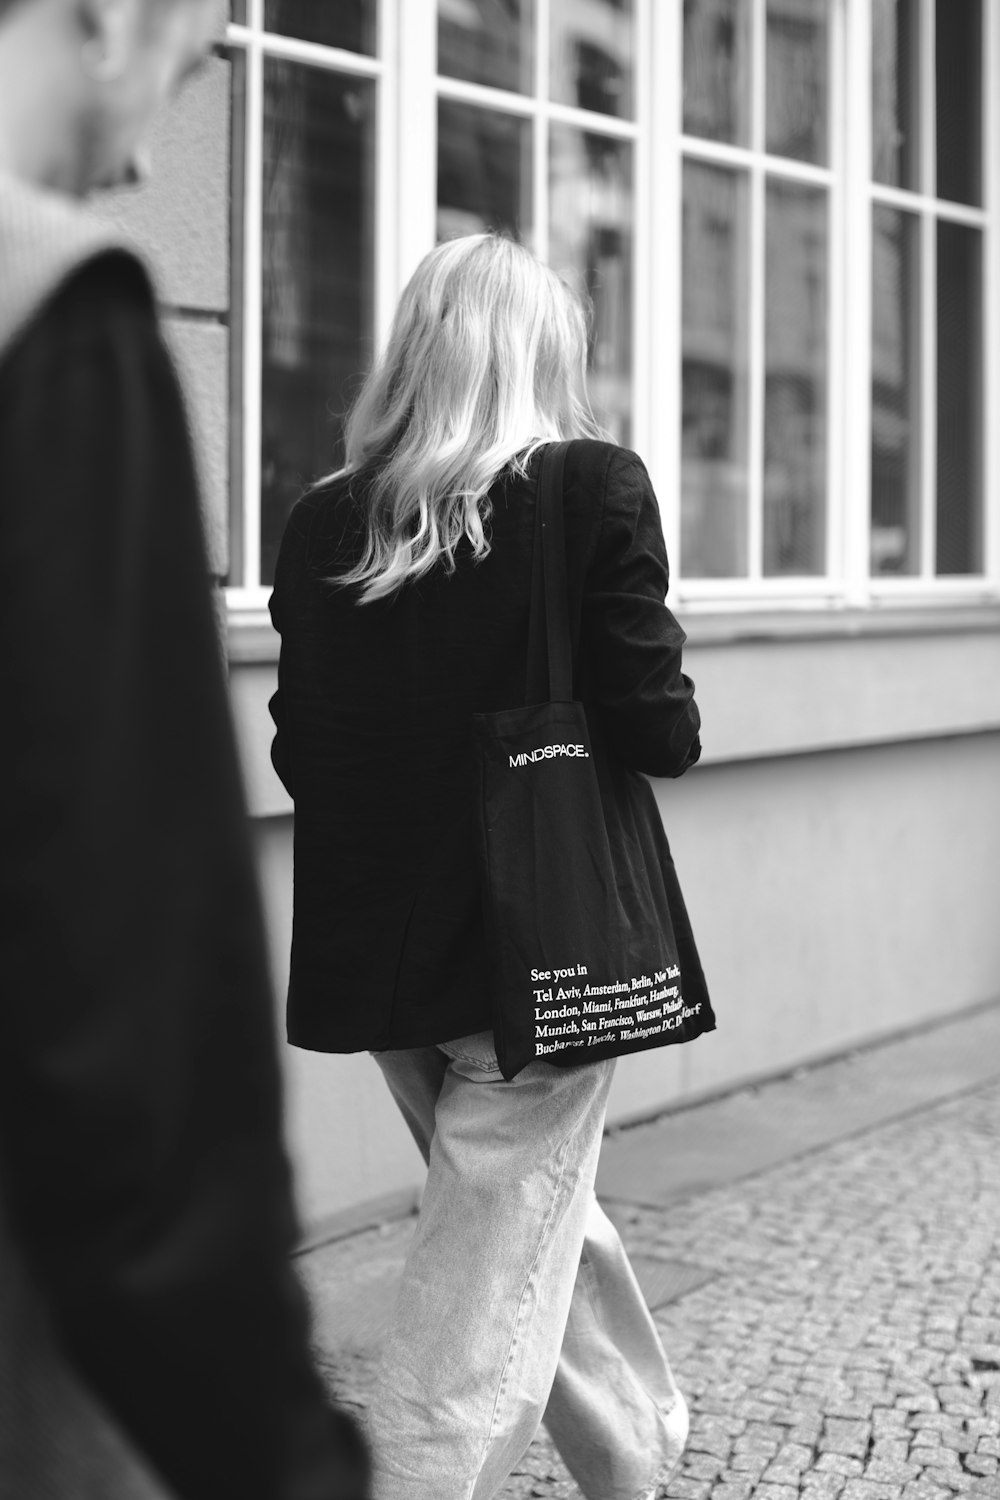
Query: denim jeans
517 1301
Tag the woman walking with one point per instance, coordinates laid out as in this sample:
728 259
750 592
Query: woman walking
402 597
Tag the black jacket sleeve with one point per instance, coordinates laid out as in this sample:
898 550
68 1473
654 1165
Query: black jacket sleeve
632 642
140 1111
291 560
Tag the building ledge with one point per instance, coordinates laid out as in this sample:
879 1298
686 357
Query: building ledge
252 638
731 627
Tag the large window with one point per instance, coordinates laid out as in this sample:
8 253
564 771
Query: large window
784 213
928 237
756 346
304 134
536 130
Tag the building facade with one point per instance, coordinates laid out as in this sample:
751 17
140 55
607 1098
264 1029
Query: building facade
786 214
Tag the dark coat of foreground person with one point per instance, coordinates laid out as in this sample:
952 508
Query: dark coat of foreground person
153 1337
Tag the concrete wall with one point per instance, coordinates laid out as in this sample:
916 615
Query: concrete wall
838 892
179 222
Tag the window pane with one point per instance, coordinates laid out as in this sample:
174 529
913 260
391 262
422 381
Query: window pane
487 41
238 11
959 45
795 420
590 241
317 287
895 93
484 171
717 70
895 458
798 64
593 56
959 399
715 378
344 23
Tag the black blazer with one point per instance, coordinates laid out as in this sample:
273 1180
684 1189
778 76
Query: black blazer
373 714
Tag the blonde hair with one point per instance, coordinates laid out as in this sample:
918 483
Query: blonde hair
486 361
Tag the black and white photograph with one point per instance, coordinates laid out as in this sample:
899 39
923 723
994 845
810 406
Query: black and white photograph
499 749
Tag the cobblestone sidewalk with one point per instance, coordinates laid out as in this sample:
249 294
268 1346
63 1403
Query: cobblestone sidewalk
848 1345
842 1338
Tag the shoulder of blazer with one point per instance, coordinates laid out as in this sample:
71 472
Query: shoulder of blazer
320 520
588 461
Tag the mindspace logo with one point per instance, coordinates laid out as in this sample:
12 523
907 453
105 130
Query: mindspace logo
548 752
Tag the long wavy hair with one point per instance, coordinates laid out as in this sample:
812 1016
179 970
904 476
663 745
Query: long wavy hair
486 361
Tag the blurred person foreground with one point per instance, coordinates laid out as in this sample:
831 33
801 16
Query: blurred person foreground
153 1338
821 1255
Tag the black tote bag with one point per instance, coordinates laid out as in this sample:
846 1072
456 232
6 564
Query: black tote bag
589 949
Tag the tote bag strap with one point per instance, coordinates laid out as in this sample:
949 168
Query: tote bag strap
550 655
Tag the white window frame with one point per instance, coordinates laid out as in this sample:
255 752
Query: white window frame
848 583
249 599
404 71
544 112
760 167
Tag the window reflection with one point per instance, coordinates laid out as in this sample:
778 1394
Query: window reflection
895 93
958 58
590 242
488 41
797 85
484 171
959 399
333 23
717 70
795 420
895 460
317 279
593 56
715 352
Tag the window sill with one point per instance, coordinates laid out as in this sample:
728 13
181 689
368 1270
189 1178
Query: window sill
252 638
731 627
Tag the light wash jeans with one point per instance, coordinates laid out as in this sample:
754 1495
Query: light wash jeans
517 1300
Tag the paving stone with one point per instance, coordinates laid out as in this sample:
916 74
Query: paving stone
751 1464
702 1466
923 1489
958 1442
713 1443
939 1458
838 1463
891 1471
888 1420
890 1450
795 1456
806 1434
867 1489
849 1438
822 1486
689 1489
776 1475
